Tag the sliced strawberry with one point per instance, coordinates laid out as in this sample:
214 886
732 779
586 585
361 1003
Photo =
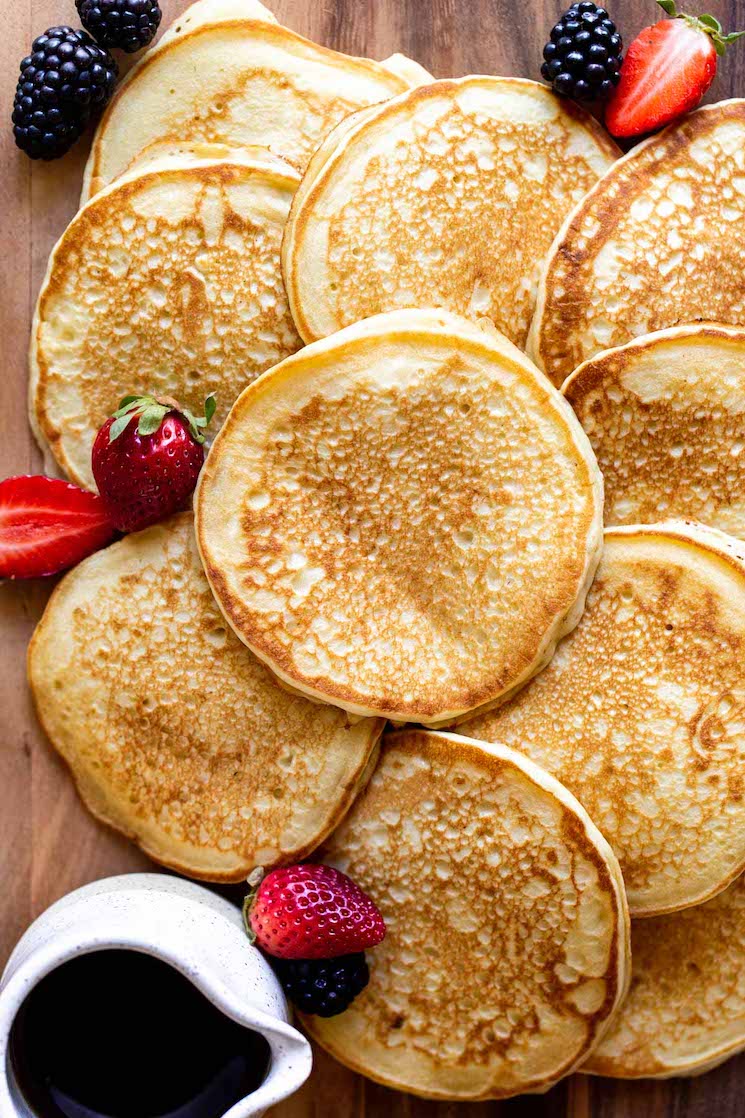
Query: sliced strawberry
667 70
311 911
48 525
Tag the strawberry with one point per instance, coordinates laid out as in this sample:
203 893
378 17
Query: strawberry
667 70
147 470
311 911
48 525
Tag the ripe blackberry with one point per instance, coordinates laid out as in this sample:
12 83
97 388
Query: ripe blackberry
324 987
127 24
65 78
583 56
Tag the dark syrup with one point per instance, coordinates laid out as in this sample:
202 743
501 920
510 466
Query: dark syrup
118 1034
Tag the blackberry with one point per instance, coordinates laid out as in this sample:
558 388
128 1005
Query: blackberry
324 987
65 78
127 24
583 56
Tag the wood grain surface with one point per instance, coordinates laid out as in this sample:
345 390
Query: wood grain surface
48 844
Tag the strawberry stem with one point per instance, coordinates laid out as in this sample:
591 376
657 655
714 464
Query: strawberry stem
707 24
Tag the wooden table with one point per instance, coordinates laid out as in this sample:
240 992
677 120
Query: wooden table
48 844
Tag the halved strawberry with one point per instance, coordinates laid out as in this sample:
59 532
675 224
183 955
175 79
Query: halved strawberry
48 525
667 70
310 911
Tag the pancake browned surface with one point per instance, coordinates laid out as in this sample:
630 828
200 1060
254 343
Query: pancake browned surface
448 196
168 282
640 712
666 418
402 519
659 241
225 73
176 735
507 945
685 1012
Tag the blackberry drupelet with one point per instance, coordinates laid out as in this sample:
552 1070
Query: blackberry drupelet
127 24
324 987
65 78
583 56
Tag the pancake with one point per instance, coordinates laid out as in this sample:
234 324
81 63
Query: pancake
507 945
640 713
659 241
412 72
665 415
224 73
685 1012
448 196
169 282
175 734
401 519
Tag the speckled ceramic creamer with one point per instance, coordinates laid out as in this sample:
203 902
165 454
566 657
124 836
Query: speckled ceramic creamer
183 924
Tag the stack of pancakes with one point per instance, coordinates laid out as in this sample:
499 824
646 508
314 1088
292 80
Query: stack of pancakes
499 491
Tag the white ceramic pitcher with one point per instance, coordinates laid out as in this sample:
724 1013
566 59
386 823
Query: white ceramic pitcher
192 929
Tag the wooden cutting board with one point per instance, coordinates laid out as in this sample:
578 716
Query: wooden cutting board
48 844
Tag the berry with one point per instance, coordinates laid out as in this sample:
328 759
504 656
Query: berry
311 912
667 70
147 470
63 81
48 525
582 58
127 24
323 986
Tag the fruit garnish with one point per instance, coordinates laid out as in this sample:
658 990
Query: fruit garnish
127 24
583 56
323 987
667 70
66 78
147 457
310 911
48 525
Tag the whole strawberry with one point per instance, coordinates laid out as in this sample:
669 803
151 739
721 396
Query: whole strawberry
146 459
311 911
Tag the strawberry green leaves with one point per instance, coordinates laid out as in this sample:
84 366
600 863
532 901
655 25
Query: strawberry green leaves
706 23
150 411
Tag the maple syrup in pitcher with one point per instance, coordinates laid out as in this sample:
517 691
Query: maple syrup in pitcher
119 1034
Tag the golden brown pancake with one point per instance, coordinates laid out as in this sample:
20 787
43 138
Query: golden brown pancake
641 712
257 83
685 1012
660 240
175 734
666 418
167 282
447 196
506 951
403 518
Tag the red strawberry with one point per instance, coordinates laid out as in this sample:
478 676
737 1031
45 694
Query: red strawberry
147 470
667 70
311 912
48 525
